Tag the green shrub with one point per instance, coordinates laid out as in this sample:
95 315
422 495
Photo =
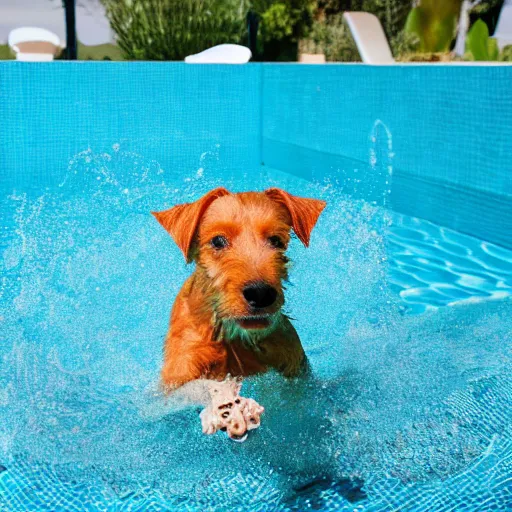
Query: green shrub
506 53
479 45
173 29
391 13
330 34
282 23
332 37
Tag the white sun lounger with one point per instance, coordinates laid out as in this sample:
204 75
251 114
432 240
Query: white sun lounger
503 32
222 54
34 44
370 38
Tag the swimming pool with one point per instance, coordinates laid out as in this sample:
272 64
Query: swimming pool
402 300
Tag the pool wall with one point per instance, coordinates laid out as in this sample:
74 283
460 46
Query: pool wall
431 141
173 113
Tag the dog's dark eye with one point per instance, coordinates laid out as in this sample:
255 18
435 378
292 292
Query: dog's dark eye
219 242
276 242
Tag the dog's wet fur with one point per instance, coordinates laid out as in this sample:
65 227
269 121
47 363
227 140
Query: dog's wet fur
227 318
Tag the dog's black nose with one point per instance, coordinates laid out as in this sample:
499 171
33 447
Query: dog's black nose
260 295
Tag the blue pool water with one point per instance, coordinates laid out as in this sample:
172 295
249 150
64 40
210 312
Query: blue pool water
410 411
402 301
431 266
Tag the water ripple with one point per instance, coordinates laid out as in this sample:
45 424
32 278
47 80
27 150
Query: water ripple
432 266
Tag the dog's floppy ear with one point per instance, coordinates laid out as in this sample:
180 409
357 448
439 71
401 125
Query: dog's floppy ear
182 220
303 211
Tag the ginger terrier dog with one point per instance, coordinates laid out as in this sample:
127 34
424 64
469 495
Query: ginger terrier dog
227 318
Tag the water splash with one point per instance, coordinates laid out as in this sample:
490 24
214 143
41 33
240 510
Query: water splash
381 160
402 403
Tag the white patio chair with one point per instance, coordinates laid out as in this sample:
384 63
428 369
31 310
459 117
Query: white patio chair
503 32
34 44
370 38
222 54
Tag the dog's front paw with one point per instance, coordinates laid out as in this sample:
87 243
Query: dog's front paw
230 412
210 421
252 412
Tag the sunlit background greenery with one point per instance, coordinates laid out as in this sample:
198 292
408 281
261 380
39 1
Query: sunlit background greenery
417 30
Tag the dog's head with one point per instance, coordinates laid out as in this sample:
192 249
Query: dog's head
239 242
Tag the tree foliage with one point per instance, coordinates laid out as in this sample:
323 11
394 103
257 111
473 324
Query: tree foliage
434 23
282 24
